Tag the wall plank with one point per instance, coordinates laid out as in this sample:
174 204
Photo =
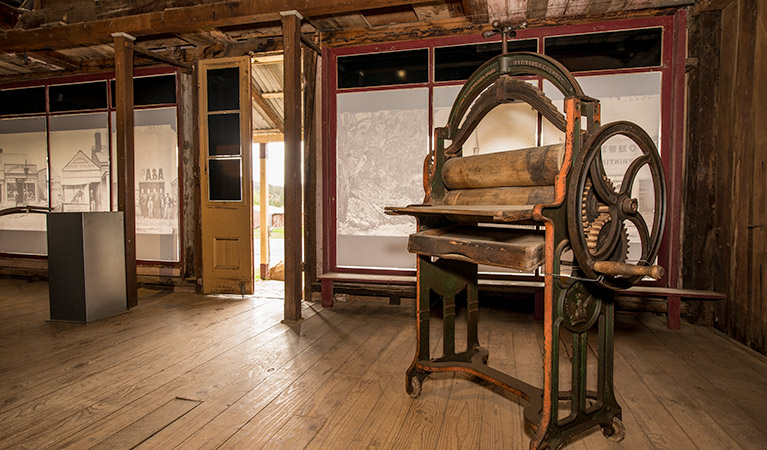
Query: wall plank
726 165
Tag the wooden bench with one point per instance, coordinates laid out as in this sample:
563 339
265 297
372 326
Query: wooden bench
673 296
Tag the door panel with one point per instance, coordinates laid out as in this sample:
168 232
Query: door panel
226 180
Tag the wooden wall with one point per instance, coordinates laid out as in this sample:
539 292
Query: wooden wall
724 244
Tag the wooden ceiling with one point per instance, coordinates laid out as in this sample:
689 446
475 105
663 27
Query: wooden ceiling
50 37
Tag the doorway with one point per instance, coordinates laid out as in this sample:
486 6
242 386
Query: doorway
268 209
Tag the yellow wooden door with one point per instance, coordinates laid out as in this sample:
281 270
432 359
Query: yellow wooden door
226 175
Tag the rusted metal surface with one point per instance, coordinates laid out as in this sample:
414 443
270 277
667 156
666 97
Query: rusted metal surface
584 215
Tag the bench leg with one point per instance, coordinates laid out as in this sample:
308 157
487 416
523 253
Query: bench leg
674 314
326 286
538 312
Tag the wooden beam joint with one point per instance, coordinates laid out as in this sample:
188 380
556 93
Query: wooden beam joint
157 56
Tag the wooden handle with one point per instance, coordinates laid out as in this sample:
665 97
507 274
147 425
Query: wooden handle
619 268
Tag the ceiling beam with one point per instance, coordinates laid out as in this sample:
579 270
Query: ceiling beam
157 56
475 10
272 115
180 20
58 59
8 16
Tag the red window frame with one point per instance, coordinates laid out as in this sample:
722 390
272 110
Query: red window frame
672 121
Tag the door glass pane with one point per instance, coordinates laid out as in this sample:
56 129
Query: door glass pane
225 179
23 181
224 134
79 159
224 89
381 142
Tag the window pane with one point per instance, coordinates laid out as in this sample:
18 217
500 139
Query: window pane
383 69
507 127
382 140
224 134
157 199
224 180
23 181
22 101
78 97
634 97
611 50
155 90
79 161
224 89
460 61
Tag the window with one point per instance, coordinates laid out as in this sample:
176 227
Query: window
78 97
382 140
376 135
22 101
65 159
79 162
383 69
152 90
23 181
458 62
604 51
156 177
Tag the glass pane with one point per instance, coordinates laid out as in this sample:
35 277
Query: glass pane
634 97
157 190
507 127
383 69
22 101
224 89
458 62
224 134
610 50
78 97
155 90
23 181
382 140
224 179
79 161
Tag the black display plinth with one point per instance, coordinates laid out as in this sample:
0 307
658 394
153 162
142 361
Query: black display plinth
86 265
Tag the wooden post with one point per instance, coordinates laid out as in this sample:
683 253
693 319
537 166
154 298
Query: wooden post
126 195
310 173
264 211
291 32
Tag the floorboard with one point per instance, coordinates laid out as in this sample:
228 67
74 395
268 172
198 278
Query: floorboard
190 371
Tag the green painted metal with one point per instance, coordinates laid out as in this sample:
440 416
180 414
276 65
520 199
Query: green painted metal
519 63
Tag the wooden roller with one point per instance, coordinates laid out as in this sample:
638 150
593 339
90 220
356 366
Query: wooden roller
535 166
521 195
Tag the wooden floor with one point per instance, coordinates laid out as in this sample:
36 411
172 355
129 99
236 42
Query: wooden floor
221 371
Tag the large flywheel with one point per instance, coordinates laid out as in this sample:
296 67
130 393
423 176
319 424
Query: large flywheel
598 213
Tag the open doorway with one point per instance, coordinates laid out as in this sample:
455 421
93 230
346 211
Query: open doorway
268 208
267 79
